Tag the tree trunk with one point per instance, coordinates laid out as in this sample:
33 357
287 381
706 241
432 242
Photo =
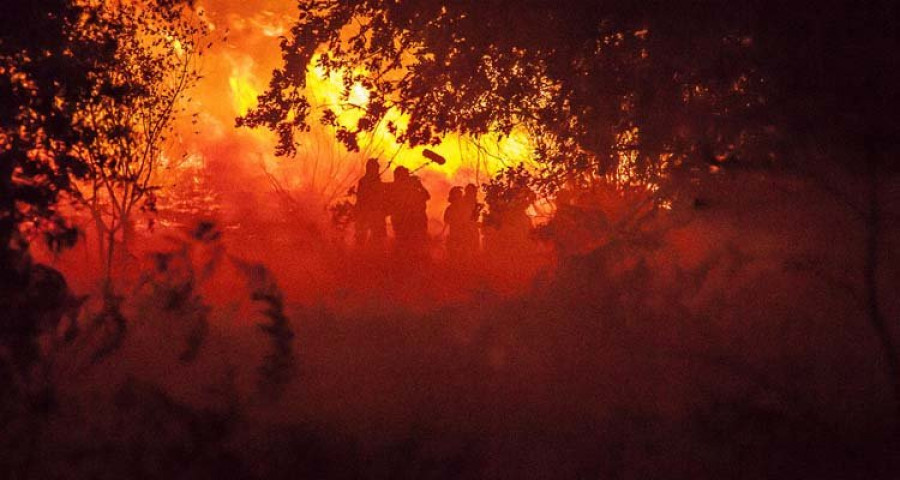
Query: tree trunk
108 264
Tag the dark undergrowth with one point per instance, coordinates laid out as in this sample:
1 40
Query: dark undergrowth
692 347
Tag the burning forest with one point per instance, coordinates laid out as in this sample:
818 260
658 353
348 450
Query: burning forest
387 239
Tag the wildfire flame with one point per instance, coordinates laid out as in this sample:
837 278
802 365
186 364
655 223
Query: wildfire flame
237 71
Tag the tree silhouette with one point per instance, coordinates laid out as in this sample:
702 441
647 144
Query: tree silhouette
834 96
592 83
664 89
90 91
125 124
40 71
84 101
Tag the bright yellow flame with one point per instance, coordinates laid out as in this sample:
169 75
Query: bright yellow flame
359 96
243 94
466 157
236 73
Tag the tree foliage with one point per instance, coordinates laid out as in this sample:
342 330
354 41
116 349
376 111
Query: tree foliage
86 99
124 125
658 86
590 81
39 64
89 93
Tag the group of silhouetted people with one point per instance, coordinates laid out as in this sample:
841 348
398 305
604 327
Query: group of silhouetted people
404 201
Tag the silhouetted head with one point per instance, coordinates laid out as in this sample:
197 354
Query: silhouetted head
372 167
456 194
401 174
471 190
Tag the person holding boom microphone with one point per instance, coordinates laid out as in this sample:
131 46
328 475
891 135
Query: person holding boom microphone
408 217
407 199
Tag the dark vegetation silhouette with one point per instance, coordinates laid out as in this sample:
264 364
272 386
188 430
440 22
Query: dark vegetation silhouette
686 86
701 328
128 119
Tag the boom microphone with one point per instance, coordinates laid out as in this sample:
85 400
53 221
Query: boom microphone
434 157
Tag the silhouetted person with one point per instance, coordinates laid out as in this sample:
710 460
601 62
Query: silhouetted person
462 217
462 239
407 208
371 207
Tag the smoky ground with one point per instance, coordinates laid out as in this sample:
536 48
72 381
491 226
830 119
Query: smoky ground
722 339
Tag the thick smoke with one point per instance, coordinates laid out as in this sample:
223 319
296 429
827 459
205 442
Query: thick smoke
721 339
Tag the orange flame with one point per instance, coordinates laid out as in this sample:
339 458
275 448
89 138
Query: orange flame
237 71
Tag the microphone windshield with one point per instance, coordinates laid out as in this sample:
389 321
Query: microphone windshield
434 157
